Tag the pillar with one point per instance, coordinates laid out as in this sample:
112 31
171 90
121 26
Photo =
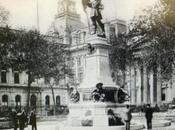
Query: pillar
142 84
145 85
159 90
148 86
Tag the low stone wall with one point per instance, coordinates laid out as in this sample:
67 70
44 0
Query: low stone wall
5 123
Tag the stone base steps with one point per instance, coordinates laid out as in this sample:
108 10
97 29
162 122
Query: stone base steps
162 128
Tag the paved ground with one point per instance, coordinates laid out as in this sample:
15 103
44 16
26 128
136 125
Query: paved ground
53 124
46 125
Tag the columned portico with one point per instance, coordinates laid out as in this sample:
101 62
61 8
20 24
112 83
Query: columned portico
146 87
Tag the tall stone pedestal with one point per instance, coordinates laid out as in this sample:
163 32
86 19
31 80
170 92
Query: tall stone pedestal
97 68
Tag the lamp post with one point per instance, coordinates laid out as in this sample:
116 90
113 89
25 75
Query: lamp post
52 82
37 14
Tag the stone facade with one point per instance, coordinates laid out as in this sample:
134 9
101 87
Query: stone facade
13 92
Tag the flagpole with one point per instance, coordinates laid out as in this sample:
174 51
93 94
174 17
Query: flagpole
85 4
37 9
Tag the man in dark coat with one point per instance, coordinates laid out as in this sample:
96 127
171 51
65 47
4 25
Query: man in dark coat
33 119
22 119
96 16
149 115
128 117
14 119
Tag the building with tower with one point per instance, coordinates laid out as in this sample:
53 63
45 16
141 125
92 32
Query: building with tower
66 20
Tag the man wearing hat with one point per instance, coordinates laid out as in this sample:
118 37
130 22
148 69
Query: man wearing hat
14 119
149 115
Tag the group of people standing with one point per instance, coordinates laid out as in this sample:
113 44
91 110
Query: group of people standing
148 115
20 119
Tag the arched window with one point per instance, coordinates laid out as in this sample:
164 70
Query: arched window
18 100
47 100
58 100
5 100
33 101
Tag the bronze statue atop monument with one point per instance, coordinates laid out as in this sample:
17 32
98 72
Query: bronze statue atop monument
95 16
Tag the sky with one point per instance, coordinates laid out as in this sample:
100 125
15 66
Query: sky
23 12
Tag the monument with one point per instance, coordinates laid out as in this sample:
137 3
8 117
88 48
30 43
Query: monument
88 112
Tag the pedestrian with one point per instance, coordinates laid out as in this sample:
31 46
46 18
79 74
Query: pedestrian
157 109
14 119
32 120
149 116
128 117
22 119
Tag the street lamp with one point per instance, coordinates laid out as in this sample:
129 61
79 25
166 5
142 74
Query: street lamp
52 82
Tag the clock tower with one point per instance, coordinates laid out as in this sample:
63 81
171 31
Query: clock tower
67 19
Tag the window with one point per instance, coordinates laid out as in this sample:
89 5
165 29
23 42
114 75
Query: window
80 76
47 100
18 100
163 94
5 100
16 78
58 100
82 37
33 101
112 36
3 77
79 61
121 28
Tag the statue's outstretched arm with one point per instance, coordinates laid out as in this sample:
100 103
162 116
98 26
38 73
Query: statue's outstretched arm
96 4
